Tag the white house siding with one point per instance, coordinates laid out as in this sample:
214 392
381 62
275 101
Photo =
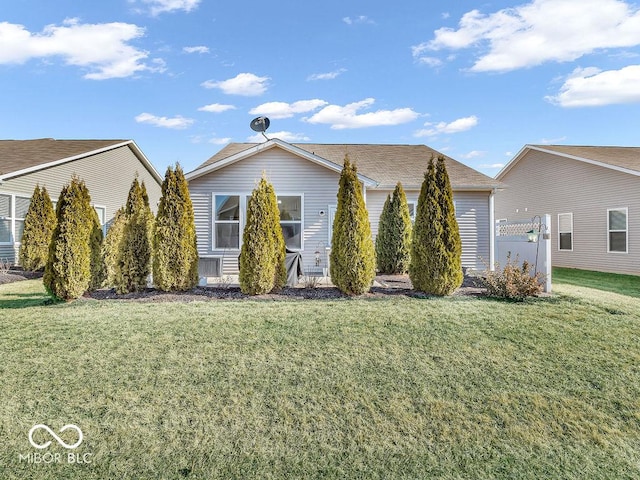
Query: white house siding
289 174
472 213
543 183
108 177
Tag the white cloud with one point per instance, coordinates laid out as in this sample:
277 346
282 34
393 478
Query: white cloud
178 122
287 110
472 154
216 108
593 87
340 117
156 7
491 165
283 135
459 125
245 84
327 76
101 48
539 32
361 19
197 49
220 141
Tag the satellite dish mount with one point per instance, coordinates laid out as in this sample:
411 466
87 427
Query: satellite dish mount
260 124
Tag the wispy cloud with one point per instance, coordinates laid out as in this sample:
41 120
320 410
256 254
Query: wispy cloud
282 135
327 75
287 110
472 154
459 125
539 31
197 49
491 165
220 141
348 116
101 48
216 108
592 87
178 122
359 20
245 84
156 7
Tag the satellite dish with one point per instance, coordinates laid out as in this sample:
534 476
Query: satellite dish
260 124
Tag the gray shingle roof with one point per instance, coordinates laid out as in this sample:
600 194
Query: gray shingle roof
16 155
623 157
386 164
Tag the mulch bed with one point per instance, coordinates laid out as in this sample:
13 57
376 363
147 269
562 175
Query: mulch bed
390 285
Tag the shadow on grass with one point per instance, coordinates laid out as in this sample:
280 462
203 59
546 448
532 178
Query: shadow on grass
25 300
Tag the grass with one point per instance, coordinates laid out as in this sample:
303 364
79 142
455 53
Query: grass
609 282
393 388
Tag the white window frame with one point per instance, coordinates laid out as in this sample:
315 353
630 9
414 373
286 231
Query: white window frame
415 209
626 230
12 216
292 222
562 231
103 221
331 214
242 205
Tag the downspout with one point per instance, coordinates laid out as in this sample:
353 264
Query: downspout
492 231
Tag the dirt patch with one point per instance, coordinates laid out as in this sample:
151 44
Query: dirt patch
385 286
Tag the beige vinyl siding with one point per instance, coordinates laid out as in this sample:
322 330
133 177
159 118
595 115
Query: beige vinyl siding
543 183
290 175
108 176
472 213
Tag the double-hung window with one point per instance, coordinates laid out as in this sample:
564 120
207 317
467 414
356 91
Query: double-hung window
565 231
617 228
13 209
226 222
290 207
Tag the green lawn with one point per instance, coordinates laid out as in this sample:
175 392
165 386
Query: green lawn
609 282
393 388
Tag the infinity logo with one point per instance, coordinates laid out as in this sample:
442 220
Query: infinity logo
53 434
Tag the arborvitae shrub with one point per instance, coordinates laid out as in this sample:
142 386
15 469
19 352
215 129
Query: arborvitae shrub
352 259
135 247
98 272
427 247
175 253
39 224
68 273
393 242
452 275
262 266
436 248
112 249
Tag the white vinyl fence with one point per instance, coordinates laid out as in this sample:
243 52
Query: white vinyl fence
528 240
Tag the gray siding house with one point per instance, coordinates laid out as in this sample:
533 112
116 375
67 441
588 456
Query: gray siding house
305 178
593 196
107 166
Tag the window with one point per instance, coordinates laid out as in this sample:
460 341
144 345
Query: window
5 219
617 230
226 222
565 231
13 209
412 210
102 217
290 207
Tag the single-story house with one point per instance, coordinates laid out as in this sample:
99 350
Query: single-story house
593 196
107 166
305 178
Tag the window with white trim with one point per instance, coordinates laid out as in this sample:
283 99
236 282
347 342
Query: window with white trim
102 217
290 207
412 210
617 229
226 222
565 231
13 210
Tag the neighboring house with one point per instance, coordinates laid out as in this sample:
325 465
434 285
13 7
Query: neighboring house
305 178
593 196
107 166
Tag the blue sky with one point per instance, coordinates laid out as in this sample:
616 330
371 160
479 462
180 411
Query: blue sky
475 80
